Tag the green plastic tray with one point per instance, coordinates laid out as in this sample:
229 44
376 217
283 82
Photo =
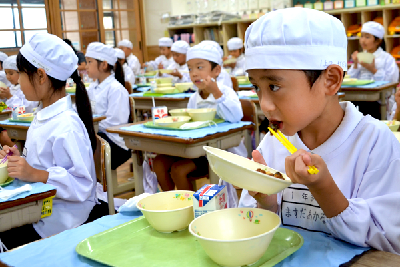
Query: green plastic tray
11 120
7 182
150 124
358 82
136 243
143 85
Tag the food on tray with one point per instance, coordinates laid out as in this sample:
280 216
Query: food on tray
276 175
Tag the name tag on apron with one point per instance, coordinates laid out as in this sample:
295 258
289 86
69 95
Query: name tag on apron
300 209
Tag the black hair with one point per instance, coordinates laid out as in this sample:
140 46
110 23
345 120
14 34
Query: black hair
68 41
213 65
382 44
313 75
119 71
81 97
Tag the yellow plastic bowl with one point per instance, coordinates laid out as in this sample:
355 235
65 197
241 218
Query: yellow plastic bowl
392 126
242 172
166 71
3 173
168 211
151 73
202 114
230 61
237 236
165 90
172 122
182 87
26 117
70 90
179 112
3 85
164 80
365 57
164 85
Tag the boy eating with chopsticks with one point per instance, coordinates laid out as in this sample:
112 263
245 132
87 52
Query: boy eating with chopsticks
296 59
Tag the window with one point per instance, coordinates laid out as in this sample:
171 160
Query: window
79 22
20 20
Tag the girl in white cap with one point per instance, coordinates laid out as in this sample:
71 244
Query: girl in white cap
13 95
235 47
60 141
133 62
204 63
108 97
297 71
181 71
3 77
166 59
129 75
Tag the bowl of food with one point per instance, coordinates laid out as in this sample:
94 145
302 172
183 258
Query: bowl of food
393 125
3 106
151 73
3 85
245 173
26 117
168 211
230 61
179 112
202 114
166 71
3 173
182 87
172 122
164 85
165 90
365 57
164 80
236 236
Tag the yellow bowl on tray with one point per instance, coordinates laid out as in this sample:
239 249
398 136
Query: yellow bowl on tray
242 172
202 114
150 73
70 90
182 87
365 57
164 85
168 211
179 112
166 71
3 173
393 125
165 90
172 122
237 236
26 117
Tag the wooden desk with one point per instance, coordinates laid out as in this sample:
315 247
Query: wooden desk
370 95
22 211
374 258
4 115
18 132
174 146
146 103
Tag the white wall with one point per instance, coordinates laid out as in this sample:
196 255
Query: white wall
153 10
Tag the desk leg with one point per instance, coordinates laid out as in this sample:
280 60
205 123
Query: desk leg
383 105
247 142
138 171
214 179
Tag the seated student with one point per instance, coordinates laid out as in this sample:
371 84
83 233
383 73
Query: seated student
79 54
108 97
383 68
181 73
13 95
357 190
166 57
133 62
3 77
60 141
204 62
128 73
5 140
235 47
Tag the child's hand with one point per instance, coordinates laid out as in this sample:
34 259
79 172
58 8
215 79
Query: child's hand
176 73
5 93
160 66
267 202
6 149
19 168
296 167
354 57
210 86
369 66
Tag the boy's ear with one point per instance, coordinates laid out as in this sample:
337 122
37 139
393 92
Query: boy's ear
41 76
217 70
333 77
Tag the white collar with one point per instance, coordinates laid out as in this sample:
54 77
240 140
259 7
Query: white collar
54 109
351 119
378 51
210 98
104 83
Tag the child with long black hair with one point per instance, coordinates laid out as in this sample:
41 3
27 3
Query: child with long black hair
108 97
60 141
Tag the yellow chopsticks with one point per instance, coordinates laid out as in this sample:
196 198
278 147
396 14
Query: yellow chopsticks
290 147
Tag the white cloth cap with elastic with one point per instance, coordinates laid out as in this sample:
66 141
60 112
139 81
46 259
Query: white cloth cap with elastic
3 56
374 28
205 50
235 43
119 53
125 43
296 38
180 47
52 54
10 63
101 52
165 42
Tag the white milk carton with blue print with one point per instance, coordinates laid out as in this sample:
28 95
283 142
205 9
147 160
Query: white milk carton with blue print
210 197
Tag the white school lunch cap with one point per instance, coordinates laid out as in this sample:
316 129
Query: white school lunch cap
10 63
119 53
101 52
165 42
180 47
374 28
52 54
296 38
235 43
125 43
3 56
205 50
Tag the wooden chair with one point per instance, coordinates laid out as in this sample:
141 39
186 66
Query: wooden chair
102 162
235 84
250 114
128 87
132 117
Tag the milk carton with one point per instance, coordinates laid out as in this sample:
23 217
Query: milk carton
209 198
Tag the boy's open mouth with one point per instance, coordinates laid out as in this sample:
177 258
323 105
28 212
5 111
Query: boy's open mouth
275 125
